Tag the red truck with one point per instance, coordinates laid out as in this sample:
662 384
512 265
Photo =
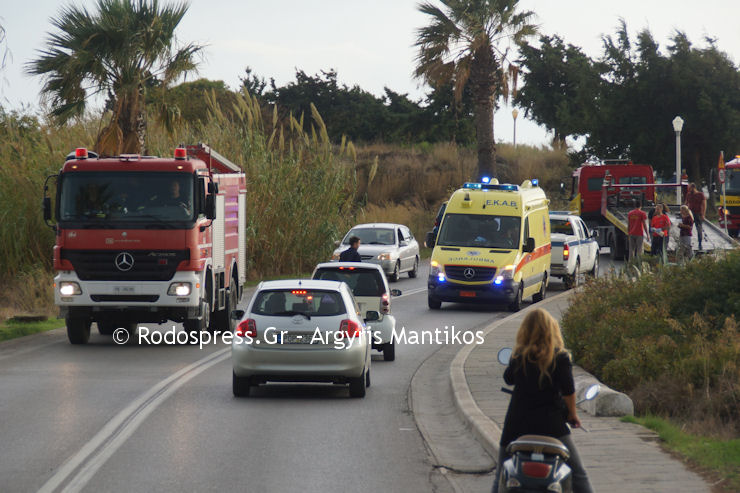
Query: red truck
142 239
587 184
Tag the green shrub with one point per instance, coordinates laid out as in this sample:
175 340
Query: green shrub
668 337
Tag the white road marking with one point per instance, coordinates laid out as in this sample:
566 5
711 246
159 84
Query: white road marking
93 455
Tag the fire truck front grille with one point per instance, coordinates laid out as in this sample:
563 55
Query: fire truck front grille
125 265
141 298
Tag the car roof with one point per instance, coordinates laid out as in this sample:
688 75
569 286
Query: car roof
563 215
376 225
301 284
356 265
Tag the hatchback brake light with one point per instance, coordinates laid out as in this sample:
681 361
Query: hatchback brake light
536 469
349 328
247 328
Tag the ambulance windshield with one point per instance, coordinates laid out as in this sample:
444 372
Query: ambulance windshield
126 197
480 230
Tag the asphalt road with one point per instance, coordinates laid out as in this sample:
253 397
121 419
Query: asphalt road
107 417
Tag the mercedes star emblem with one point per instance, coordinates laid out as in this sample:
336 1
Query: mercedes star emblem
469 273
124 261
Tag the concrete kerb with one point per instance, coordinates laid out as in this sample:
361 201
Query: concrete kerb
486 431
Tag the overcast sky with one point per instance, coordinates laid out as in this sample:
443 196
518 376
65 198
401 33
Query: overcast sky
368 42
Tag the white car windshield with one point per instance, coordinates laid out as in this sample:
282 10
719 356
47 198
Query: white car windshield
480 230
306 302
372 236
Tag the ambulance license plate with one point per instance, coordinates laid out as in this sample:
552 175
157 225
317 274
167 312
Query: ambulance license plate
467 294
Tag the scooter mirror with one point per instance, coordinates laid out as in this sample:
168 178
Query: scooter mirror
592 391
504 355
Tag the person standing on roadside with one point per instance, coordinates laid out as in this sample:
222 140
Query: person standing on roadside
684 239
544 399
351 254
659 226
637 221
697 203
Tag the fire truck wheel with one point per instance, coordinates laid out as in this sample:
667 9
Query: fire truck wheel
195 325
222 318
78 330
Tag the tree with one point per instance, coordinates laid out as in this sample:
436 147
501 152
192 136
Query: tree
123 49
461 45
561 87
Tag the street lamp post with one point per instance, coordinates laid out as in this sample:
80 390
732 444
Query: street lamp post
514 113
677 126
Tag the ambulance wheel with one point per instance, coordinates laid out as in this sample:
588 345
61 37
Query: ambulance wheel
433 303
540 295
516 305
415 271
78 330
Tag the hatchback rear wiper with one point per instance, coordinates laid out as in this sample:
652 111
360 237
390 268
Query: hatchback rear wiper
292 312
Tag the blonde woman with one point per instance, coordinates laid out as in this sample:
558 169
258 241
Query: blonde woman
685 251
544 398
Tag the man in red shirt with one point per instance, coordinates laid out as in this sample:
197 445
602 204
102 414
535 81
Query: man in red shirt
697 203
637 221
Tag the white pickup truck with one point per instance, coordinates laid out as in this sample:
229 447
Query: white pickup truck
575 250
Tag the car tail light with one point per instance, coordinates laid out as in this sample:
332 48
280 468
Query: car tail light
349 328
566 252
247 328
536 469
385 304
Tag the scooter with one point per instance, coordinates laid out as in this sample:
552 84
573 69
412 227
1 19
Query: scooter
537 463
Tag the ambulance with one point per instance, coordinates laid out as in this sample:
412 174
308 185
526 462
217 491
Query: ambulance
493 246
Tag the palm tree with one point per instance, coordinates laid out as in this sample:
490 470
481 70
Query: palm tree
119 51
461 45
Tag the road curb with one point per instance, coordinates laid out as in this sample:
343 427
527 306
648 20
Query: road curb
485 430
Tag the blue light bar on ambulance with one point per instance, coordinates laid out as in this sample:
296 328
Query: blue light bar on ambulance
485 180
490 186
535 182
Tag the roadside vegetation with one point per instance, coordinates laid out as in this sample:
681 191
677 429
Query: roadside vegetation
12 328
670 339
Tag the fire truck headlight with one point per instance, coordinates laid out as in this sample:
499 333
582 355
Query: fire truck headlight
68 288
179 289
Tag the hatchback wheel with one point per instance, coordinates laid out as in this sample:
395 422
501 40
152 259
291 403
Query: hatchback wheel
240 386
389 351
396 273
357 386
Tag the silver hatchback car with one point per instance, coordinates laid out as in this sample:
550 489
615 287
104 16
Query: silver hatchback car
301 331
392 246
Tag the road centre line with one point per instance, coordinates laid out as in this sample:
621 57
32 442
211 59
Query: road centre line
93 455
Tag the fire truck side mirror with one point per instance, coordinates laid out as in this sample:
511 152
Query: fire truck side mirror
47 209
211 206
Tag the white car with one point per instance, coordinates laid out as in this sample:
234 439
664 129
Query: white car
301 331
391 246
575 249
370 290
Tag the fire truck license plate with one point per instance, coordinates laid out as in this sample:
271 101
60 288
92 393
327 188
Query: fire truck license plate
124 289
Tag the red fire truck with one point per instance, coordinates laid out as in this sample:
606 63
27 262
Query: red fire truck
142 239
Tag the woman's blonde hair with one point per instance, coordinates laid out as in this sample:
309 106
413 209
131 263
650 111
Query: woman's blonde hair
538 341
685 208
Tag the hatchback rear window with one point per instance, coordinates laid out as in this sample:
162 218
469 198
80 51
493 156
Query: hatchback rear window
362 282
290 302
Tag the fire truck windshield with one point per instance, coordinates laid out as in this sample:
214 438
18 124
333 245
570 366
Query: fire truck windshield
126 197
